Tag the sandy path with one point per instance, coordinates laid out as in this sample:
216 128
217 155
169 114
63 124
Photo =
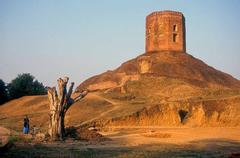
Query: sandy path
115 106
133 142
136 136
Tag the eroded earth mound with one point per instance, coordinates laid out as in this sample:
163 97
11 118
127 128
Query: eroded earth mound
154 89
174 65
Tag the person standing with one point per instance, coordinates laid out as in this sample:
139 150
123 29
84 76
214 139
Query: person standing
26 125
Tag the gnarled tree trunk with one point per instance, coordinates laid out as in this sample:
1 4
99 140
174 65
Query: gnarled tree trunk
59 104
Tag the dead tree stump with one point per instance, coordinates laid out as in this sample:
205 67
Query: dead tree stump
59 103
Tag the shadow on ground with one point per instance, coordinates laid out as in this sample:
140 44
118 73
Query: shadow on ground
201 148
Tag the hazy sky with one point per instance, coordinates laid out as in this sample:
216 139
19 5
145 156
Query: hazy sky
53 38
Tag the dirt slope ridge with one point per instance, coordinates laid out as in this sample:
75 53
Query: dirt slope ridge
177 65
221 112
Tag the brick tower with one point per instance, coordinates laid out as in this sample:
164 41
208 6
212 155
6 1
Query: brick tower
165 31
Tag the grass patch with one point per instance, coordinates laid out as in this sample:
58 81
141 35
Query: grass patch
19 139
120 96
54 152
157 135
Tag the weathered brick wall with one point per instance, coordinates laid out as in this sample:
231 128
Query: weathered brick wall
165 30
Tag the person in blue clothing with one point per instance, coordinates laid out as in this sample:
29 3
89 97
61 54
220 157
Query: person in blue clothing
26 125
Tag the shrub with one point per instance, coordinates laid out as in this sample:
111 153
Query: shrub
3 92
25 84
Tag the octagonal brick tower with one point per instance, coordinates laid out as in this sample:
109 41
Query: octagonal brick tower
165 31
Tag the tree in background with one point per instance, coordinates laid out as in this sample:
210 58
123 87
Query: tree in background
25 84
3 92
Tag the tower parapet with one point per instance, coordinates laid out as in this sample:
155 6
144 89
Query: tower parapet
165 31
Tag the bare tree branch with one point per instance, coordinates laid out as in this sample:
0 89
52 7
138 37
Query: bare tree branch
70 91
80 96
59 104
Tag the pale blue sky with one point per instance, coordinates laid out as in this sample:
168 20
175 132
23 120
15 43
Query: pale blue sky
53 38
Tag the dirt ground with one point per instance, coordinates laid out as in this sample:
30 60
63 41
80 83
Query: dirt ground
141 142
4 134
